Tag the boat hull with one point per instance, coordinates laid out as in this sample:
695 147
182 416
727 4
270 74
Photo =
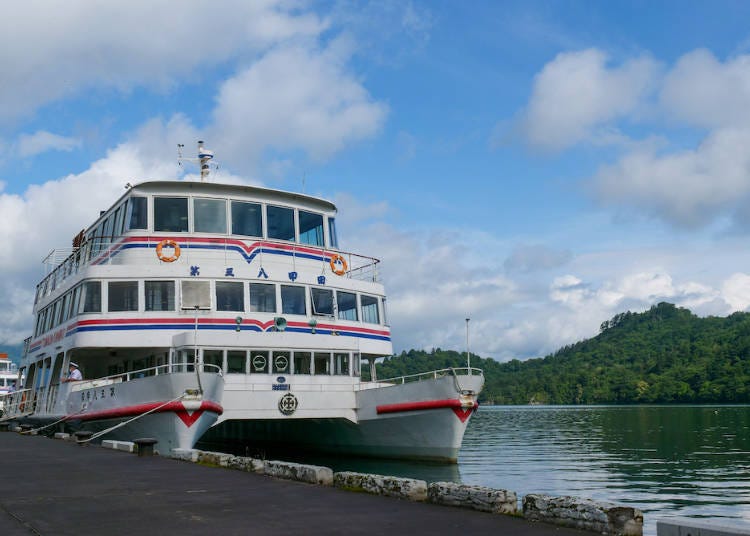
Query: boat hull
423 420
165 407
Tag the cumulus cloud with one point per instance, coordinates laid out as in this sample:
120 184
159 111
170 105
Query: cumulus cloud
79 45
63 206
687 188
577 92
43 141
295 98
536 257
702 91
736 291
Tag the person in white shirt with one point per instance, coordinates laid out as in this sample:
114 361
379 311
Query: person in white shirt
74 374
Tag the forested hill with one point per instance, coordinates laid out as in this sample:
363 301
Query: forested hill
665 355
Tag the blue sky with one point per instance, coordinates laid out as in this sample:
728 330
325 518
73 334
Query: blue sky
536 166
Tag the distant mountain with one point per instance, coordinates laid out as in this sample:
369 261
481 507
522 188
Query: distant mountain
664 355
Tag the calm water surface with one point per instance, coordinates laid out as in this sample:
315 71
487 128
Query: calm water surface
686 461
691 461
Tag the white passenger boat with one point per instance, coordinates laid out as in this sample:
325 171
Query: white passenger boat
199 287
8 377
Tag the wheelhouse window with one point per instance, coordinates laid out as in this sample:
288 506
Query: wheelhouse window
160 295
137 207
213 357
370 309
76 301
236 362
293 300
347 305
280 221
311 228
92 297
262 298
122 296
302 361
333 240
229 296
66 307
118 220
195 295
322 301
341 364
171 214
210 216
247 219
322 363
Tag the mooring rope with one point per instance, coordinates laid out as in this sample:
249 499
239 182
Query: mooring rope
66 417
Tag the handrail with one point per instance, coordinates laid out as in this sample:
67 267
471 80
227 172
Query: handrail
23 402
360 267
434 374
153 371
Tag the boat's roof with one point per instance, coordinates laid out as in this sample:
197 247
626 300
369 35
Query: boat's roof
229 189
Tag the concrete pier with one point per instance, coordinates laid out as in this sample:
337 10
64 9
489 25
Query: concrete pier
57 487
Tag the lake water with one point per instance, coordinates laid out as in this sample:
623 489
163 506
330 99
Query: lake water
685 461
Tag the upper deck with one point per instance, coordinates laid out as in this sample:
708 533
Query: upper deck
248 220
168 248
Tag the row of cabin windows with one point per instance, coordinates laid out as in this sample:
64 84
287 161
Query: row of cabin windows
222 296
215 216
275 361
209 215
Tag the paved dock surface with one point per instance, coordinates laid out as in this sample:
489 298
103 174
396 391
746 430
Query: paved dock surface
57 487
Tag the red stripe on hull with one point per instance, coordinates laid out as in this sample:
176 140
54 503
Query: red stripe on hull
452 403
133 411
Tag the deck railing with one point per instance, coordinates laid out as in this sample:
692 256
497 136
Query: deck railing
63 263
24 402
433 374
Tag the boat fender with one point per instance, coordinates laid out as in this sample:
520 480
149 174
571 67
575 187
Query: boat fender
338 264
167 243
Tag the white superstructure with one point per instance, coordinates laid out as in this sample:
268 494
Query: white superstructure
248 286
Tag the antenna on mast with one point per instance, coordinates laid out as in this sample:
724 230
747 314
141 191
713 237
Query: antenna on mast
204 159
468 355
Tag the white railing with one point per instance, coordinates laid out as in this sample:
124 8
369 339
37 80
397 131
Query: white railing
433 374
65 262
24 402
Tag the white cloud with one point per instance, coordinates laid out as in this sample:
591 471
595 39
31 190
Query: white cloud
295 98
688 188
577 92
43 141
702 91
736 291
536 257
64 206
55 49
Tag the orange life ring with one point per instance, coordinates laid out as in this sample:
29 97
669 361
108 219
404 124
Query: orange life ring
22 405
336 260
167 243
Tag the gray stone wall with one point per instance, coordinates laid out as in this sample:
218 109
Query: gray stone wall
391 486
584 514
496 501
